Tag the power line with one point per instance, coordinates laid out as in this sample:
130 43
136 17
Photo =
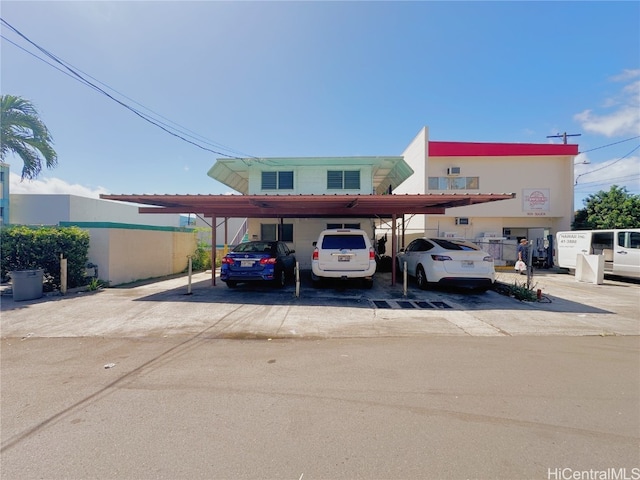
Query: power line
611 144
606 166
74 73
604 181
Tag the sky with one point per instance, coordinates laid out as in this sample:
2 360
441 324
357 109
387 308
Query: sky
298 79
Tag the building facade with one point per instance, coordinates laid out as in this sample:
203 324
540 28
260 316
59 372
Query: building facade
541 176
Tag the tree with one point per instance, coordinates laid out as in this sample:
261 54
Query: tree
613 209
25 135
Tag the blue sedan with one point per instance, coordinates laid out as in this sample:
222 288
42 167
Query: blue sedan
258 262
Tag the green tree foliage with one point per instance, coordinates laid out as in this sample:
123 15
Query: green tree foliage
613 209
25 135
26 248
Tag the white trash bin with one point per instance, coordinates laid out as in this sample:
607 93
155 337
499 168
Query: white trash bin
26 284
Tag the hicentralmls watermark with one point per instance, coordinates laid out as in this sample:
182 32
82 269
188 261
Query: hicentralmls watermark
568 473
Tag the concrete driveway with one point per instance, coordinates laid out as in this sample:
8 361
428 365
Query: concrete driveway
163 309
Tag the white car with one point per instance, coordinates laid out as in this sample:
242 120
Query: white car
343 253
447 261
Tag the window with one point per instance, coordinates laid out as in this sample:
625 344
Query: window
287 232
629 239
277 180
419 245
343 225
269 232
343 180
338 242
454 183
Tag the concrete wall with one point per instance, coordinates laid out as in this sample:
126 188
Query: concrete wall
127 254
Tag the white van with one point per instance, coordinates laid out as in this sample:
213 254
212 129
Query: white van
620 247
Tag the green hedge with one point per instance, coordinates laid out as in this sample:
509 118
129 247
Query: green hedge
25 248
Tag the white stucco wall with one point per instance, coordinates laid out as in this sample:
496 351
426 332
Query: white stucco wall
552 175
417 156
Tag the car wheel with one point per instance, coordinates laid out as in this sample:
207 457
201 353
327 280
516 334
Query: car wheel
368 283
421 278
281 279
232 284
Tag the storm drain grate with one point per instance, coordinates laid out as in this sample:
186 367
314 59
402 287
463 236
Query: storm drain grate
423 304
442 305
381 304
406 304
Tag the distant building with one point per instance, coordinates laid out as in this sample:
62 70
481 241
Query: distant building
4 193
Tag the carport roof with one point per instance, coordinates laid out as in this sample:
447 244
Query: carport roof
306 206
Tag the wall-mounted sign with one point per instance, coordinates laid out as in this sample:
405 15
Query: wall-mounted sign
536 200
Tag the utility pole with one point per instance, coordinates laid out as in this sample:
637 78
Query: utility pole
564 136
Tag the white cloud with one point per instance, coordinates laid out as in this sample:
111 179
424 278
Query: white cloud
600 176
624 117
52 186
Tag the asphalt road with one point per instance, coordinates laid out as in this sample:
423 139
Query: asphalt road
341 383
441 407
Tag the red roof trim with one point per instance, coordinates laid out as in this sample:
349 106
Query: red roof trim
470 149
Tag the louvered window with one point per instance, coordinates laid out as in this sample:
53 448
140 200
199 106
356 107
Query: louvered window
343 180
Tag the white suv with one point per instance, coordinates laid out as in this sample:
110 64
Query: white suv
343 253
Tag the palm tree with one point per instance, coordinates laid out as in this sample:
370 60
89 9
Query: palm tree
24 134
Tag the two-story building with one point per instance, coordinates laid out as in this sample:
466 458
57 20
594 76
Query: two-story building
541 176
309 176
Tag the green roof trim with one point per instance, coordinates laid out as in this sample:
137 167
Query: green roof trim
126 226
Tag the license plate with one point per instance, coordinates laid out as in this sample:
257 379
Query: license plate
467 264
344 258
246 263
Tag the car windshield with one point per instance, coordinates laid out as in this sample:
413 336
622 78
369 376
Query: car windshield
254 247
349 242
455 244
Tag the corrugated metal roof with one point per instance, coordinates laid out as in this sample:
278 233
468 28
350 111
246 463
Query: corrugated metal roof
307 206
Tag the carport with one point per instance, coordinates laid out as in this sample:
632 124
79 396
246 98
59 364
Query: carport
307 206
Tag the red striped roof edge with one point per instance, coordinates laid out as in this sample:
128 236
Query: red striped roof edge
476 149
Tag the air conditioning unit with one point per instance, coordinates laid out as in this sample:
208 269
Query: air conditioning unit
462 221
453 171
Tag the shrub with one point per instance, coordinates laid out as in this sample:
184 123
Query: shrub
27 248
201 259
